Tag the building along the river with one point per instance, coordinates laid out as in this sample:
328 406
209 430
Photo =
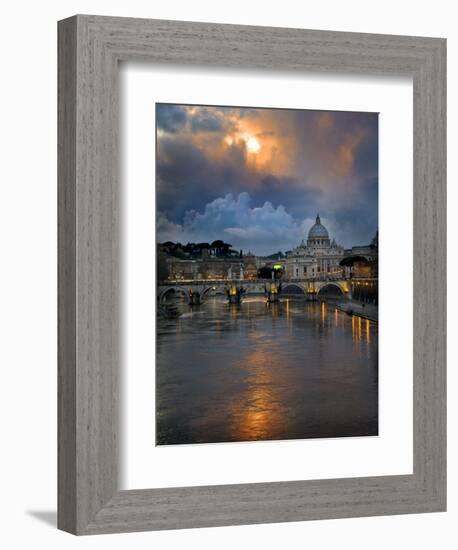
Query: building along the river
316 258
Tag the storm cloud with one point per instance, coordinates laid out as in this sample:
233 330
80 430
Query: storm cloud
257 177
264 228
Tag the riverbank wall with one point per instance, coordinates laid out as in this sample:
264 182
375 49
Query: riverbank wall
366 311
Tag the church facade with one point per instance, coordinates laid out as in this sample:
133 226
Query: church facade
316 258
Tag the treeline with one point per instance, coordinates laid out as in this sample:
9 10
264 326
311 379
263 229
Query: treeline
217 248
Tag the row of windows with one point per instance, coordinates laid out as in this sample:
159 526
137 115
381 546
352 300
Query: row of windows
323 265
319 269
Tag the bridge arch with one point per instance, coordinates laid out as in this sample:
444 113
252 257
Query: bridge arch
175 289
331 290
293 288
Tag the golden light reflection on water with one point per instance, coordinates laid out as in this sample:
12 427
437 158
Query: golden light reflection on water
359 334
356 329
360 328
233 310
260 409
275 310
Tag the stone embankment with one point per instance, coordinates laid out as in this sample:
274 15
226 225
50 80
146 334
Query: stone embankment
366 311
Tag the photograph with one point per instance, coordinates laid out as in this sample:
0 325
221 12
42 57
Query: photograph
267 274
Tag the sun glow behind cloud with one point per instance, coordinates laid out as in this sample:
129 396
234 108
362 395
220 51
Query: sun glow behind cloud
252 144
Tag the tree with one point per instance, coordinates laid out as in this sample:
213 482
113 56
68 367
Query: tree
265 272
162 267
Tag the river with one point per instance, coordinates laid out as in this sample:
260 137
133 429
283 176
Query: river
254 371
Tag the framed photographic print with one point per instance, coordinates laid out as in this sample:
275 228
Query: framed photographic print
251 275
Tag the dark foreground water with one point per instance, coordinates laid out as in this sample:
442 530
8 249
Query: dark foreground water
292 370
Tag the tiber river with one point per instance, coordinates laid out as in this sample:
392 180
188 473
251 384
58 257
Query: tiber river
255 371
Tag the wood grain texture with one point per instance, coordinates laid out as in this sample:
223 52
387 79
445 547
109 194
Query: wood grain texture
90 48
67 437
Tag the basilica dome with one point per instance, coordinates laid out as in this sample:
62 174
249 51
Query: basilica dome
318 231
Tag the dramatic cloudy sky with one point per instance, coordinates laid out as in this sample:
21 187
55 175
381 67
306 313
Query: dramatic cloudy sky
257 177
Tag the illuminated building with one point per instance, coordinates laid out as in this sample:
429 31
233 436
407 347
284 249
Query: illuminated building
316 258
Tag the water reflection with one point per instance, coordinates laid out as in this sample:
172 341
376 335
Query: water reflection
256 371
256 412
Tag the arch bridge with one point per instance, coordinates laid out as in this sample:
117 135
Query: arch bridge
318 289
310 289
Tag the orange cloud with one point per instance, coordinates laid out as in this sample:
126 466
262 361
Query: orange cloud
309 149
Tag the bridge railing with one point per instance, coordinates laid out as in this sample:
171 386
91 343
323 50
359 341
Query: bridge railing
210 282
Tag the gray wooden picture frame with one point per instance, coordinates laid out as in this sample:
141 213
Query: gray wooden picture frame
90 49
